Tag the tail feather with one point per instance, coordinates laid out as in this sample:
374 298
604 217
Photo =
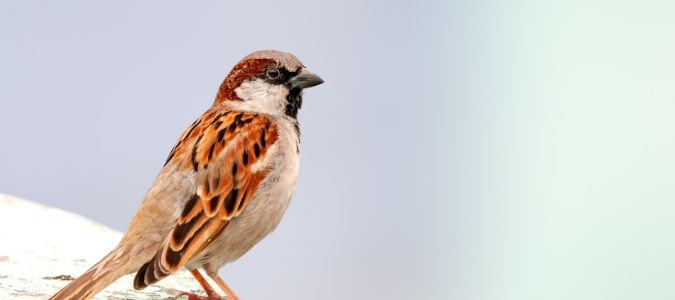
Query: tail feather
98 277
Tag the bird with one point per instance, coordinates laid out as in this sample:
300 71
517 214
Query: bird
225 185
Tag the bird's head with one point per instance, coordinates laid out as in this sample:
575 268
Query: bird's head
268 82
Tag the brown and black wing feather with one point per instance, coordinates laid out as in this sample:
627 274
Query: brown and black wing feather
226 150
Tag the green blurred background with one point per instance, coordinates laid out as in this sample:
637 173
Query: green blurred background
577 142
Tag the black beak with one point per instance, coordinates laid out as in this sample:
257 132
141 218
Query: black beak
305 79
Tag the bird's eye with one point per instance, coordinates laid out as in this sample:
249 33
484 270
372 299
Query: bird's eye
272 73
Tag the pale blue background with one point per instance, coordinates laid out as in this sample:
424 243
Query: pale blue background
458 150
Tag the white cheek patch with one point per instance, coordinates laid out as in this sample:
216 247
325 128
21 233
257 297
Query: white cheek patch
262 97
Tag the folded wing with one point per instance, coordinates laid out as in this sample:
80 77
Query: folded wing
227 152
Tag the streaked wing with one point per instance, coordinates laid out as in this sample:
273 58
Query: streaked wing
227 151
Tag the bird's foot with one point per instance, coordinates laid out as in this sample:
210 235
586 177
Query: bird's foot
210 296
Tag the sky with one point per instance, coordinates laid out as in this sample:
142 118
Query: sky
457 149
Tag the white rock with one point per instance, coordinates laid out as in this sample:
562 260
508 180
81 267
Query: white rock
40 244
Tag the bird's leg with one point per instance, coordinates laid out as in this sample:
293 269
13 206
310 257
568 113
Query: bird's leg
210 292
230 293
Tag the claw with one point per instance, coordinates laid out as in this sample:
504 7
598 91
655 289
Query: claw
192 296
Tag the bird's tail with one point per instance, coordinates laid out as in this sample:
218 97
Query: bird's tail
98 277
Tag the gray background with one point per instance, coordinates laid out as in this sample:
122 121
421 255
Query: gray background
458 150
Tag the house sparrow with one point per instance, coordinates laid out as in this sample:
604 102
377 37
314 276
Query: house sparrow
225 186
